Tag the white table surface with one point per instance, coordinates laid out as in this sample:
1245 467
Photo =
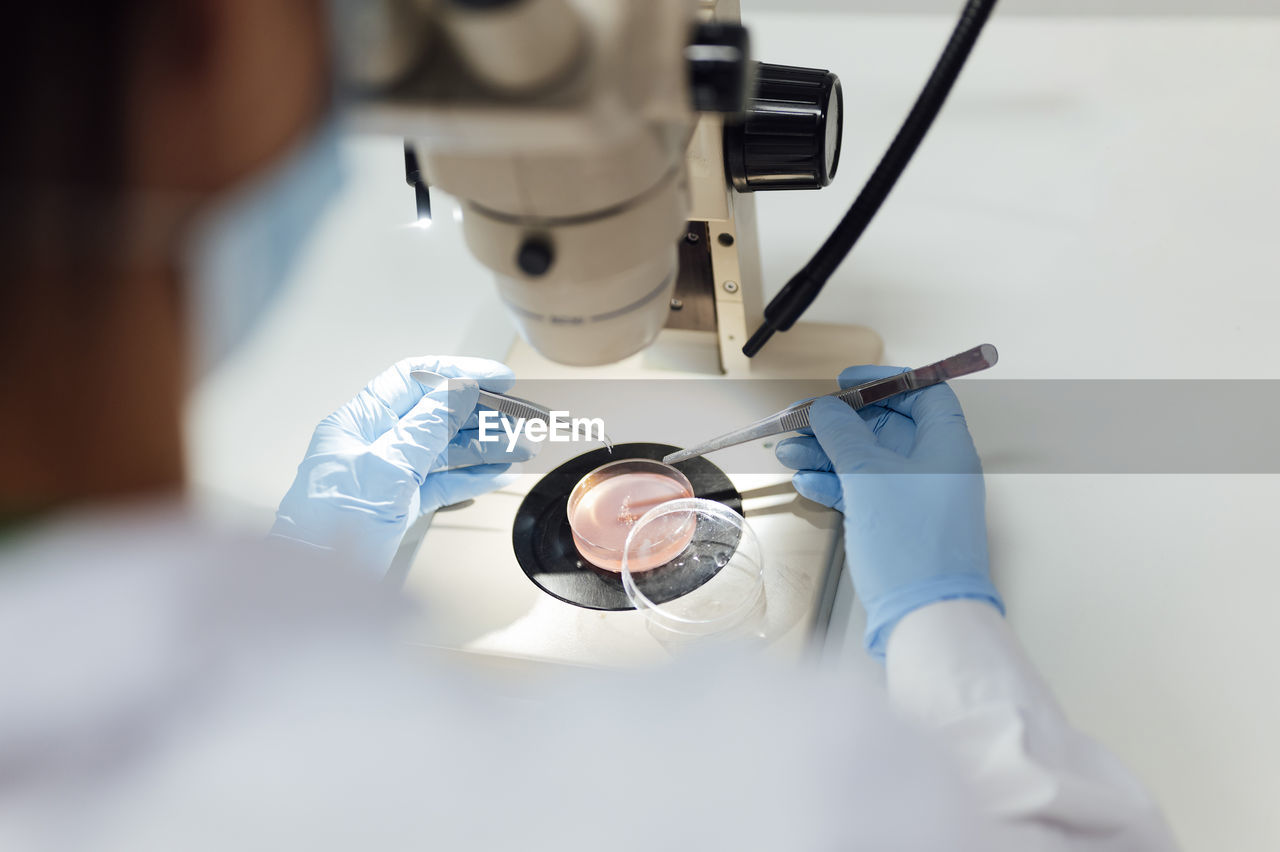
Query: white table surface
1099 199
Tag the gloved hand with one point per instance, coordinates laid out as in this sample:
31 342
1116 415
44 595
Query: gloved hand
378 463
907 477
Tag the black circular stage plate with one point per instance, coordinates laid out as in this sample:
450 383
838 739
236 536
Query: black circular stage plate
544 544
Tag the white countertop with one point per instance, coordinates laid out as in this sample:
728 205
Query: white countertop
1099 199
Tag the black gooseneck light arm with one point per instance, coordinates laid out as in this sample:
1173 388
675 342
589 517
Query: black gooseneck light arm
794 298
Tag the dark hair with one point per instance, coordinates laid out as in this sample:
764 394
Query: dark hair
64 73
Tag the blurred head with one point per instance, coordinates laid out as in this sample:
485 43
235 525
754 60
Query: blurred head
124 119
123 109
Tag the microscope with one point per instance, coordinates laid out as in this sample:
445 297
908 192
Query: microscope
605 155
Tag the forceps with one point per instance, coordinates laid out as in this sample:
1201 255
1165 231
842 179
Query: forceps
512 406
796 416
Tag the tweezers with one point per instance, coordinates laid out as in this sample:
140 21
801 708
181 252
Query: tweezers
796 416
512 406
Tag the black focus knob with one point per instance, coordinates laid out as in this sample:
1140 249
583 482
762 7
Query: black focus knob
790 136
535 256
719 57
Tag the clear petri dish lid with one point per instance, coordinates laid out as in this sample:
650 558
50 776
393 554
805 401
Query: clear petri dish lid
712 584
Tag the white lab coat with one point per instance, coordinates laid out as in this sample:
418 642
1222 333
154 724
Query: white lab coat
163 687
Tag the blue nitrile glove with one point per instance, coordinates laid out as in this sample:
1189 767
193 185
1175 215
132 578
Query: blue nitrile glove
907 477
378 463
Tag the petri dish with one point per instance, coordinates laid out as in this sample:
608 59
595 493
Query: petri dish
607 503
714 585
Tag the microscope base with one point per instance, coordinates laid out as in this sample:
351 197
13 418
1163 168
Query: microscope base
480 600
810 350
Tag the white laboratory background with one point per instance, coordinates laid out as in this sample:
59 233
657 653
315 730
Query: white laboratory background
1100 199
